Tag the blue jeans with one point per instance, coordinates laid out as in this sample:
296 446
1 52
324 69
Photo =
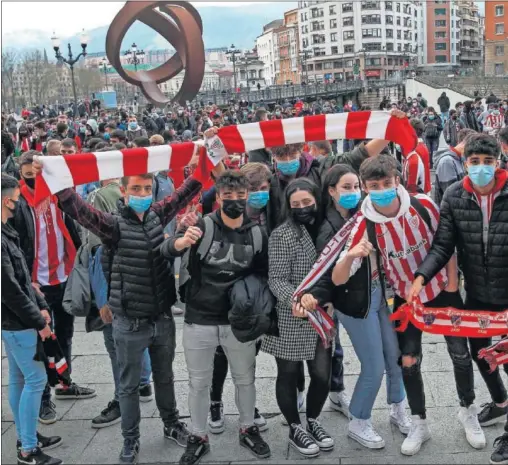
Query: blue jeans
376 346
146 366
27 379
445 116
337 381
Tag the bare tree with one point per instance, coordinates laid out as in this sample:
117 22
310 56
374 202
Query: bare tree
9 61
88 81
38 76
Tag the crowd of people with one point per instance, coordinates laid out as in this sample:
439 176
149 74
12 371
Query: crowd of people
245 246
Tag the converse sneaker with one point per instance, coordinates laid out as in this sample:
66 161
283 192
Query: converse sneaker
196 449
44 443
399 417
491 414
320 436
216 418
339 401
418 434
252 440
47 413
74 392
109 416
468 416
259 421
130 451
300 401
364 433
145 393
37 457
178 433
500 455
302 441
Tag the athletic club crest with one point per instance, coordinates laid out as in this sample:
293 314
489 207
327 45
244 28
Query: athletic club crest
456 321
429 318
414 221
484 322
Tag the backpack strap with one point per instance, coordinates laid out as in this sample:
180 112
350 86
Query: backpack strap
207 239
422 211
257 239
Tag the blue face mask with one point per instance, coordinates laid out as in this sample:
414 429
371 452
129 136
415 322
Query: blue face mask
140 204
133 126
431 117
106 136
288 168
349 200
481 175
384 197
258 199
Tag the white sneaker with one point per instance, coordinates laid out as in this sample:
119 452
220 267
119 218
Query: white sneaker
300 403
177 310
418 434
339 401
364 433
399 417
474 433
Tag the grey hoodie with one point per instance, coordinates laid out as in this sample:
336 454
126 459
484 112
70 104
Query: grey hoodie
449 169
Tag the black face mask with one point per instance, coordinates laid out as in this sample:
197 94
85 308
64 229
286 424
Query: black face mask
13 210
30 182
305 215
233 208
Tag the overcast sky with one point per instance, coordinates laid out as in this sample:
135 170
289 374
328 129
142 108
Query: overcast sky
68 18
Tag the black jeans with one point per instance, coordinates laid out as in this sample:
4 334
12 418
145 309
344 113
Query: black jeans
288 373
410 343
492 380
132 337
62 324
337 381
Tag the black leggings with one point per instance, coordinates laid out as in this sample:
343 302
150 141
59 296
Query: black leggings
288 374
220 372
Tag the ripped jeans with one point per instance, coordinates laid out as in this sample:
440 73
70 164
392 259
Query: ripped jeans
410 344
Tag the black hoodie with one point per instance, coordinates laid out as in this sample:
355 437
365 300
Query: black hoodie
229 259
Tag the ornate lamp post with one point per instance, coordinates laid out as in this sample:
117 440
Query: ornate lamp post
135 56
105 66
232 52
70 61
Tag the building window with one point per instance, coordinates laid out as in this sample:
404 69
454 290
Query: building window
371 33
333 37
328 65
440 46
346 7
349 49
398 20
440 11
388 6
499 50
335 50
310 67
371 19
389 19
397 7
441 58
499 69
389 47
333 23
370 5
347 21
399 35
499 10
348 35
319 66
500 28
389 33
440 23
372 47
333 10
440 35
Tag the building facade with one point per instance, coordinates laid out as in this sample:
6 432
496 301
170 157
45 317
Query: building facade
496 38
356 40
471 54
250 71
289 47
268 50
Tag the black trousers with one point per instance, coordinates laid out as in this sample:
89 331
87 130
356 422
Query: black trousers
288 373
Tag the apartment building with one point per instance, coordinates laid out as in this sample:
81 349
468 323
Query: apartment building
268 50
289 48
496 36
359 39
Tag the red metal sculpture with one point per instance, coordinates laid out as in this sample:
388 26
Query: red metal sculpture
180 24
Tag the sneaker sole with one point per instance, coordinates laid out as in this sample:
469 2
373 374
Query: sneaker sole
303 454
494 421
259 456
145 398
503 462
134 462
217 429
403 430
74 397
263 427
176 442
48 422
368 445
105 425
410 454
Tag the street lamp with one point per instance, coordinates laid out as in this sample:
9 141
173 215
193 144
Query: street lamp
305 54
135 56
232 52
70 60
105 67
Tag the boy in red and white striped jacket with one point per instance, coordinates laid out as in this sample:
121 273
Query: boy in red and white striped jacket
401 229
494 122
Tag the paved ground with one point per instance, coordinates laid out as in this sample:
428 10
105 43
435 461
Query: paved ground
84 445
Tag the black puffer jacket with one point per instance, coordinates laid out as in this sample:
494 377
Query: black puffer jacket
21 305
460 226
252 312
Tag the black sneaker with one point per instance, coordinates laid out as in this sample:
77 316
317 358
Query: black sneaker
74 392
216 418
491 414
37 457
44 443
145 393
130 451
320 436
252 440
302 441
109 416
177 432
500 455
196 449
47 412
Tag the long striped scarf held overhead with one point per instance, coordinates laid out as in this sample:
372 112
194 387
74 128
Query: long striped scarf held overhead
71 170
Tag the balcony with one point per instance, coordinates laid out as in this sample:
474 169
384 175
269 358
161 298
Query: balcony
371 6
371 20
315 13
